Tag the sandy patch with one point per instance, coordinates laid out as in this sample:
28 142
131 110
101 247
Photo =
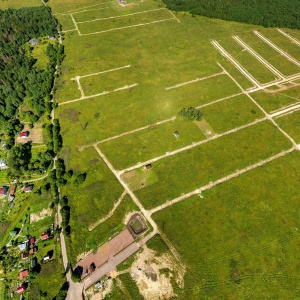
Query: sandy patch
153 274
35 217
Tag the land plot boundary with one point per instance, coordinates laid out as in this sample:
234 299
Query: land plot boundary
289 37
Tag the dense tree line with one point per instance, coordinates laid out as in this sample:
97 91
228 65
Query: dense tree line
268 13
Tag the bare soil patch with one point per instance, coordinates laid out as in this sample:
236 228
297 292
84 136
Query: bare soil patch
35 217
153 274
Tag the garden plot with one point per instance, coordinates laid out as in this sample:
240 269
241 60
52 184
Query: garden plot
259 71
127 21
290 124
278 97
235 232
210 161
108 80
282 42
283 65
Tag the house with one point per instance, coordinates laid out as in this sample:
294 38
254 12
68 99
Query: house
24 134
33 42
27 188
24 255
33 250
51 37
32 241
46 258
23 274
3 164
3 191
45 236
11 198
12 190
21 289
33 262
176 134
148 167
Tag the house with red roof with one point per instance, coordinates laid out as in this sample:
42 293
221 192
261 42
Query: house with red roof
24 134
23 274
3 191
27 188
32 240
21 289
12 190
45 236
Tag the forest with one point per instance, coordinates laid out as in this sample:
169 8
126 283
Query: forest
25 89
267 13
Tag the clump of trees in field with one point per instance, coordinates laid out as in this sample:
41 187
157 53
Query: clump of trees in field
268 13
190 114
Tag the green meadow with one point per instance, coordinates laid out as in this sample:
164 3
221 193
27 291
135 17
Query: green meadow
239 241
290 123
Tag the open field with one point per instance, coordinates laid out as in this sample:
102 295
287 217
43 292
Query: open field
157 140
200 165
283 42
240 239
278 97
261 73
286 67
290 123
5 4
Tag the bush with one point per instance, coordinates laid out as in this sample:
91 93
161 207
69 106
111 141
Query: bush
190 114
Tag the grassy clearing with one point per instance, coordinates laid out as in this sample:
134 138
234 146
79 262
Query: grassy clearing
108 81
157 140
143 145
61 6
66 22
124 21
236 74
39 53
240 240
99 119
282 42
261 73
208 162
140 178
283 65
90 201
272 101
290 123
5 4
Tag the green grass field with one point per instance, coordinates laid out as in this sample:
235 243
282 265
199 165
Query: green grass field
278 99
5 4
239 241
290 123
198 166
283 65
261 73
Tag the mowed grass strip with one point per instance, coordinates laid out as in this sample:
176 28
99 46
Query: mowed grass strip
108 81
282 42
260 72
191 169
290 124
278 61
278 98
239 241
112 114
157 140
90 201
124 21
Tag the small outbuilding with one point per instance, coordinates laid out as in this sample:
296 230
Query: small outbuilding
33 262
24 255
148 167
27 189
33 42
45 236
12 190
3 164
21 289
3 191
33 250
24 134
32 241
176 134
